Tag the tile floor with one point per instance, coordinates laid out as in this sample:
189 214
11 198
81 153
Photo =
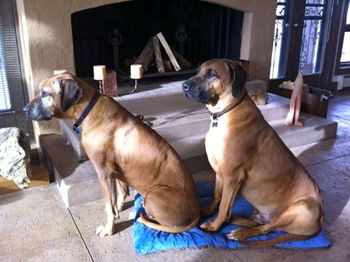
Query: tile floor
35 226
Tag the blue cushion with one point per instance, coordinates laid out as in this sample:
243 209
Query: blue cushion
147 240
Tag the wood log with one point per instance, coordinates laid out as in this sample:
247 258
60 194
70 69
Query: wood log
181 59
158 55
167 65
168 51
146 56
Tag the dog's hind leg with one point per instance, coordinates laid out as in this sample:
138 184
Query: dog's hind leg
246 222
301 220
168 211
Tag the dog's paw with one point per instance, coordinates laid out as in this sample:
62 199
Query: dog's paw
105 230
237 234
211 226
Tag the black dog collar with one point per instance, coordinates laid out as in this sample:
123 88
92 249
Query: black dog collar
85 112
215 116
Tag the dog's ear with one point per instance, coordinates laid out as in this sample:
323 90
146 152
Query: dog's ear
238 77
71 92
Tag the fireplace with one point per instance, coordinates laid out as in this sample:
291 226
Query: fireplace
46 42
115 34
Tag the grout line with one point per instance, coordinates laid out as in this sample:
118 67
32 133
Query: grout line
331 166
325 160
237 255
81 236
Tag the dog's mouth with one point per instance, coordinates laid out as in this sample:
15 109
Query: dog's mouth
37 112
201 97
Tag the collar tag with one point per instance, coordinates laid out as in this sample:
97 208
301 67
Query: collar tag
214 123
77 130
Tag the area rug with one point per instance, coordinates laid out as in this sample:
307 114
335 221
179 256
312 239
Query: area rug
147 240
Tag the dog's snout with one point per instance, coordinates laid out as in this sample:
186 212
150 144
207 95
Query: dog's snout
186 86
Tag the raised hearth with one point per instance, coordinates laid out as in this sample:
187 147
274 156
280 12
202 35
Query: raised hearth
183 124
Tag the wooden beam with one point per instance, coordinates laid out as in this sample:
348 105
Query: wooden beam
181 59
146 56
158 55
168 51
167 65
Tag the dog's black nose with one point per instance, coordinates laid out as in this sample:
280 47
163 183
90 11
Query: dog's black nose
186 86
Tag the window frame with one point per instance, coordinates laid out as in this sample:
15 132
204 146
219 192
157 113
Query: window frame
14 70
342 69
296 18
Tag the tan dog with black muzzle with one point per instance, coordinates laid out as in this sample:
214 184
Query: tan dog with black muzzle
124 151
249 157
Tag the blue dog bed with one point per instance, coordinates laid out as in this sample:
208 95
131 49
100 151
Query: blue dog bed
147 240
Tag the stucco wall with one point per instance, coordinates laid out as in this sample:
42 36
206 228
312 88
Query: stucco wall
46 38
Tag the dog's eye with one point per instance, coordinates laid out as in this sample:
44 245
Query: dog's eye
210 73
44 94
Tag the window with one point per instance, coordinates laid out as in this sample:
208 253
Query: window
5 103
280 40
298 38
345 47
313 29
12 91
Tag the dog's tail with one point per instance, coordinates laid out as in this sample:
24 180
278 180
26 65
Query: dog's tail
280 239
176 229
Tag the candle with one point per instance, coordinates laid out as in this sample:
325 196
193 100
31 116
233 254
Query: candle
99 72
136 71
59 71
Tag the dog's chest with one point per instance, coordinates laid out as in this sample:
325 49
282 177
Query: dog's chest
215 146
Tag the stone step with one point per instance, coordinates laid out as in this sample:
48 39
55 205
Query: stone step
277 107
72 138
315 129
179 121
182 123
77 182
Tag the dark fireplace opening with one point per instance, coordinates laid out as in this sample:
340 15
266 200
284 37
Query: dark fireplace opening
115 35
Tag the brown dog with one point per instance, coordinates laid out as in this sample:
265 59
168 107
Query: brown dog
124 150
249 157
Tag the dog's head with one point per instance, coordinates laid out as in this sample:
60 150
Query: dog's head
216 78
55 96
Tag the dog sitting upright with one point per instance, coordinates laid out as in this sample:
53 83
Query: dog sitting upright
124 151
249 157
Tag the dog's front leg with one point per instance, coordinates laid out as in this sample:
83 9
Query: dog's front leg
108 185
231 185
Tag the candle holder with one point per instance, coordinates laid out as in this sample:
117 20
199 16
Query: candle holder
100 76
59 71
136 72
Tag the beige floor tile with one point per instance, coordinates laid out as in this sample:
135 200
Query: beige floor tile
34 224
334 188
119 247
